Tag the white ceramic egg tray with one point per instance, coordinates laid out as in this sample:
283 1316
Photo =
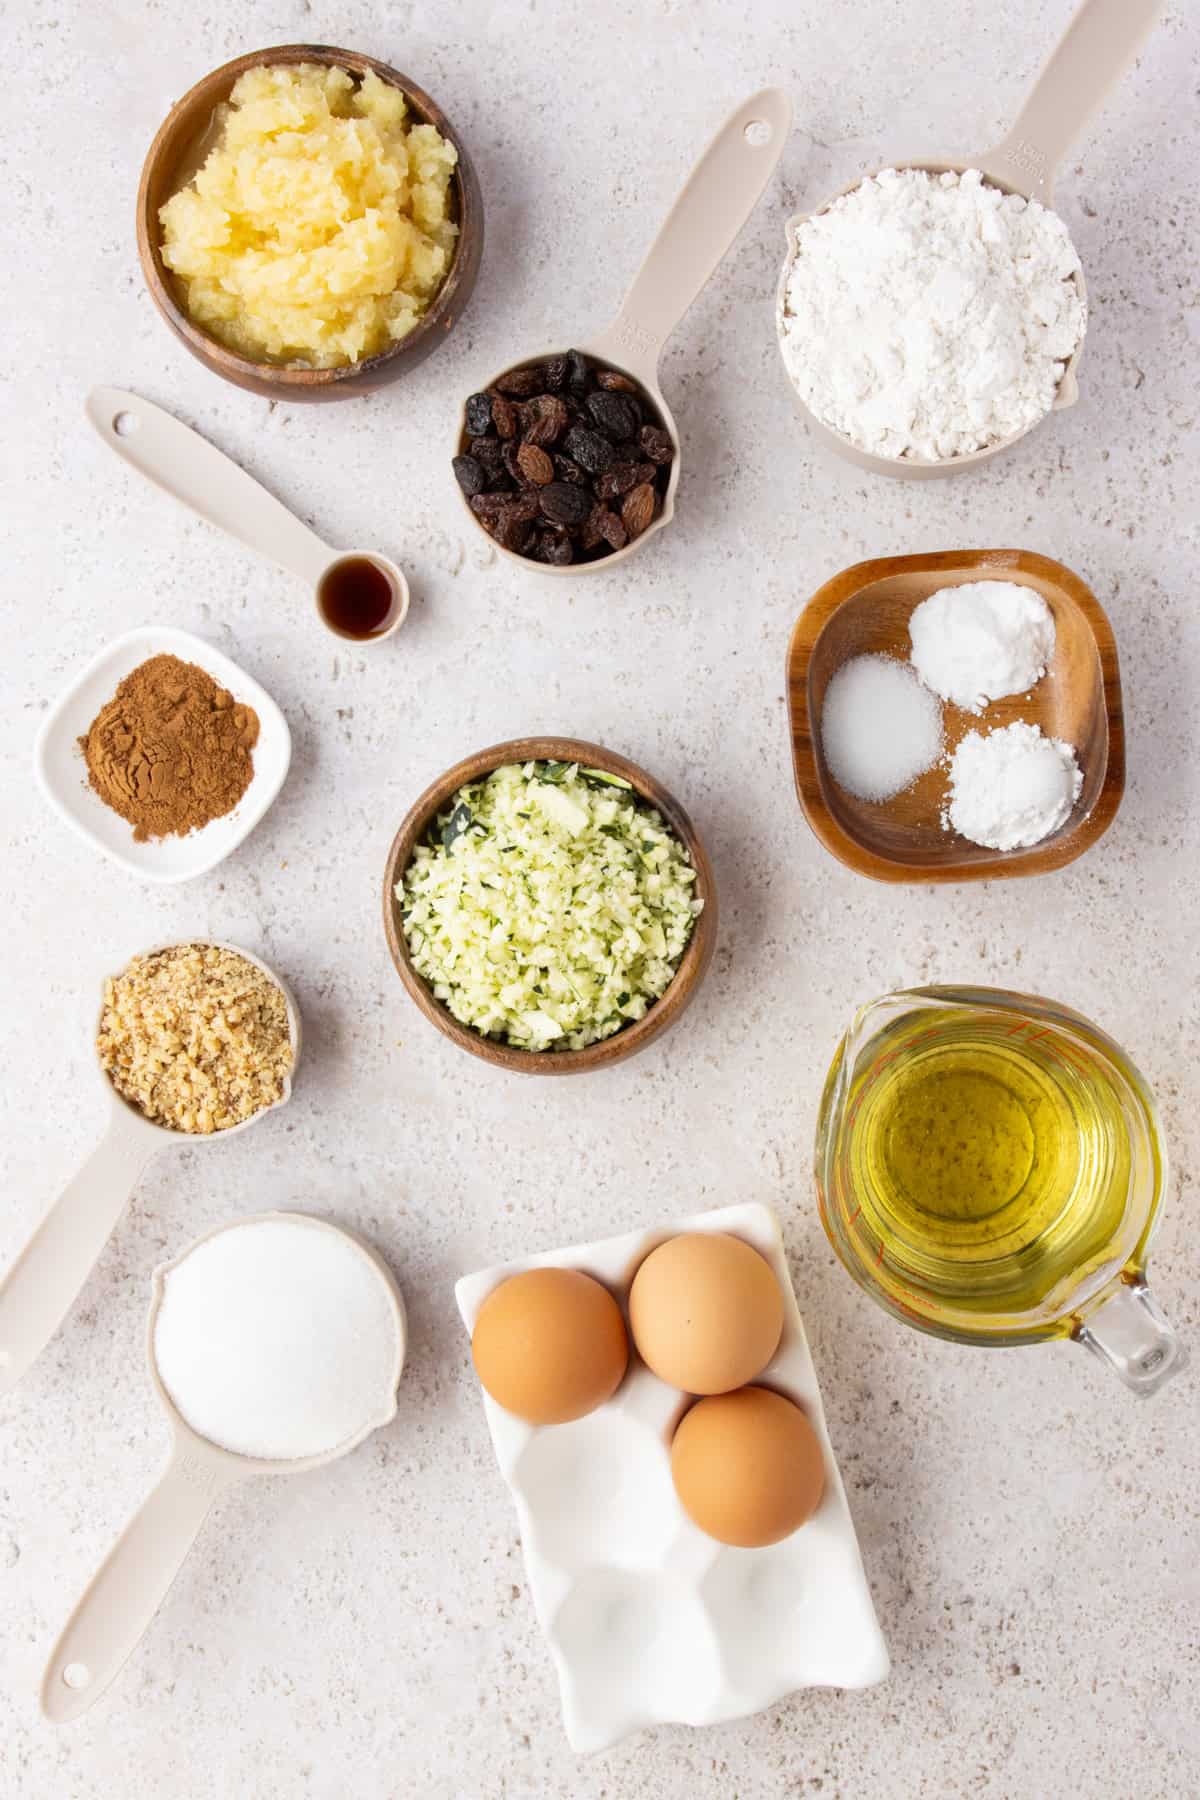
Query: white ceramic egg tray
649 1620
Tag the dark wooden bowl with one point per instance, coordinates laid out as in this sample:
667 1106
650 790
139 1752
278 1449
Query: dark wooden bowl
659 1015
867 608
173 158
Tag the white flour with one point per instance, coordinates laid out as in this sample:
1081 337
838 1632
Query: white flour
981 640
1011 788
927 316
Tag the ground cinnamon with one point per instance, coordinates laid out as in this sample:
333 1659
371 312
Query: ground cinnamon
171 750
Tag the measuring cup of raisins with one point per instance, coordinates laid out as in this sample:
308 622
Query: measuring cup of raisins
570 460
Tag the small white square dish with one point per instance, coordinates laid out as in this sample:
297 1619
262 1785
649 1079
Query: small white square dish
649 1620
62 773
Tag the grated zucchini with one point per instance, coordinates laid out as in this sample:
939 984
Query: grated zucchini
549 906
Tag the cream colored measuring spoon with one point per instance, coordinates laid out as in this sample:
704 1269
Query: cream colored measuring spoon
42 1284
717 199
1099 43
206 481
119 1604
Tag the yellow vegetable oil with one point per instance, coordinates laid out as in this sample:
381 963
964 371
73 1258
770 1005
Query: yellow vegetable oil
986 1168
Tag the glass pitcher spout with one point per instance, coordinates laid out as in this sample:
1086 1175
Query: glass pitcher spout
1130 1332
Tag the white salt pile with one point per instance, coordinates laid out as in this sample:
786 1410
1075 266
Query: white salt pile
880 728
278 1338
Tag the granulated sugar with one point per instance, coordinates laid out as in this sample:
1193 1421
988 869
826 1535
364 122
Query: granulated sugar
927 316
277 1338
982 640
1012 787
880 728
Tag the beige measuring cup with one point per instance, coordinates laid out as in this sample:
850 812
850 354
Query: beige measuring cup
1101 40
206 481
720 194
117 1607
41 1286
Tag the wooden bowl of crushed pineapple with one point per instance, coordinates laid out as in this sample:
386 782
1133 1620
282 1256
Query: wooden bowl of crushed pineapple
180 146
692 965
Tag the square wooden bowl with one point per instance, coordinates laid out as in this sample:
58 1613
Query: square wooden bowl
866 609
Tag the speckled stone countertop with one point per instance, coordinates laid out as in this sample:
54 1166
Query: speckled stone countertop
1030 1531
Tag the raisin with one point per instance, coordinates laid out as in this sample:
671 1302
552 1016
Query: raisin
543 419
535 465
612 414
479 414
524 507
579 375
588 448
469 475
504 416
523 382
656 445
616 382
590 534
554 547
556 373
637 509
621 477
511 455
512 532
487 505
567 469
486 452
612 530
564 504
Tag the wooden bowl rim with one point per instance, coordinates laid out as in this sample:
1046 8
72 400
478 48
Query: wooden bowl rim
692 966
221 357
997 865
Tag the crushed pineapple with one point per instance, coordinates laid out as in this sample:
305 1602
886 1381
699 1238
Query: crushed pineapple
317 229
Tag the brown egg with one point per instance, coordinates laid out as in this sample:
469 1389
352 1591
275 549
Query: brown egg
747 1467
706 1312
550 1345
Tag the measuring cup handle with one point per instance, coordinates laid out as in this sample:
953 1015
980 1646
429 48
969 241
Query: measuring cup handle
193 471
1131 1333
41 1286
1102 38
717 199
131 1583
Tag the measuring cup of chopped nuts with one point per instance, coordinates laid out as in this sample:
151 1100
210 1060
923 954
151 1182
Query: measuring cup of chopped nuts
570 461
197 1040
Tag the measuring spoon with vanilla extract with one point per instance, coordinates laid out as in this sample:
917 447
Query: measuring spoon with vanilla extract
360 595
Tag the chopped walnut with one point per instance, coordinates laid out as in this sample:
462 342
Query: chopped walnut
196 1037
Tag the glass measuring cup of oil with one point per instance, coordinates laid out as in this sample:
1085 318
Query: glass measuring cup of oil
990 1166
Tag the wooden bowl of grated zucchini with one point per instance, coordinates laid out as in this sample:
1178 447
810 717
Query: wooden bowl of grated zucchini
624 776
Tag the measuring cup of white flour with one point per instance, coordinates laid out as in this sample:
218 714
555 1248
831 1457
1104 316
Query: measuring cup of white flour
835 391
275 1345
42 1283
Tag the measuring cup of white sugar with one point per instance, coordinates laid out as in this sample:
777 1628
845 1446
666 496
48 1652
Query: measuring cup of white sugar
275 1345
932 313
146 1050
